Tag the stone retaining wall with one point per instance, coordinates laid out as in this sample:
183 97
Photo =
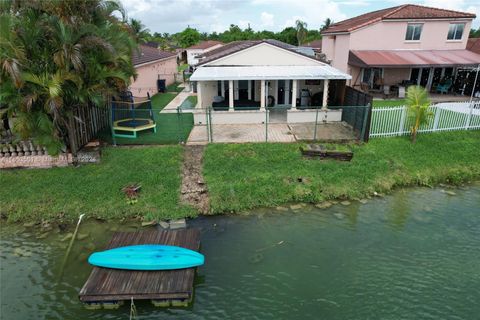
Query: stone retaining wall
35 161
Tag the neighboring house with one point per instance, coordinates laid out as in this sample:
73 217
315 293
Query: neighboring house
473 44
152 64
201 48
249 76
316 45
407 44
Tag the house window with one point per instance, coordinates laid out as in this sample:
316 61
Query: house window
413 32
455 31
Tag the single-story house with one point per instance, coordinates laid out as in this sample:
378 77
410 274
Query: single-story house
242 80
389 49
199 49
152 64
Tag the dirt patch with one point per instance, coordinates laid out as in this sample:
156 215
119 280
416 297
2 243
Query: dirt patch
194 190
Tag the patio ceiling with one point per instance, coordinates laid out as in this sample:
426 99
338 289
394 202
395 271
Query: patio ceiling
413 58
268 73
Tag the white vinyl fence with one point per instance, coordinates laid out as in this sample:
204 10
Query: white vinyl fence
394 121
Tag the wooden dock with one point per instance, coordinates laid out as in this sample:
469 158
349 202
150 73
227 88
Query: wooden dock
162 287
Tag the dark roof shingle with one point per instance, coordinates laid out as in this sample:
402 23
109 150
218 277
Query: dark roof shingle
146 54
406 11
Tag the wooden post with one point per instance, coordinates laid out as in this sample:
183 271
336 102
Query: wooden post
294 94
230 95
325 94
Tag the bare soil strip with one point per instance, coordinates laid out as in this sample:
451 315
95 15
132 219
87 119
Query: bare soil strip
194 190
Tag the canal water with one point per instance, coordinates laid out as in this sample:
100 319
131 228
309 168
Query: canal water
414 254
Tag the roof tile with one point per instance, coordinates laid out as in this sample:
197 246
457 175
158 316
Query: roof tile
146 54
407 11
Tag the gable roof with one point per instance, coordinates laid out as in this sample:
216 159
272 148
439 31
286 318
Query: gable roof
406 11
236 46
205 44
146 54
473 44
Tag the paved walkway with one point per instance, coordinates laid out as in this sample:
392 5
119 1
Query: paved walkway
177 101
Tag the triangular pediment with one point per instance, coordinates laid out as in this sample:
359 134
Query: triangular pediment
265 54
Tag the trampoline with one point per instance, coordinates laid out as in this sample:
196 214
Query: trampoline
126 122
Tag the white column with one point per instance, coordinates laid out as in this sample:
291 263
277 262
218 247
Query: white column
294 94
223 88
262 94
230 95
249 89
199 93
325 94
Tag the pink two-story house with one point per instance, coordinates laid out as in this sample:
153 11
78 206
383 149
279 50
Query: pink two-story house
408 44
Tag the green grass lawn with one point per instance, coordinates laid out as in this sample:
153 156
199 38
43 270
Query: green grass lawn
171 127
95 189
174 87
244 176
190 102
160 100
388 103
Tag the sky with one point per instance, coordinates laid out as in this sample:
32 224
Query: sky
216 15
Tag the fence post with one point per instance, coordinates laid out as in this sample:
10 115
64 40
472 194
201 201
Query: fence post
402 120
180 125
438 111
365 119
469 117
266 124
316 123
207 120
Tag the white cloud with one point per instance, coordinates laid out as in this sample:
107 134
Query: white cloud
313 12
267 19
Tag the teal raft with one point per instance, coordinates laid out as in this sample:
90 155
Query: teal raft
147 257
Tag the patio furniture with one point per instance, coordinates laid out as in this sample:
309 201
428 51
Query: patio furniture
445 87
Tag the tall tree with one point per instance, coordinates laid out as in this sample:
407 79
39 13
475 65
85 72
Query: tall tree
59 55
188 37
139 31
301 27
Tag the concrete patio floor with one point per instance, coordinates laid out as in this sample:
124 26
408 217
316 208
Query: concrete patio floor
243 133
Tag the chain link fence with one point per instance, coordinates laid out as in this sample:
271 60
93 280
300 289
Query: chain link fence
281 124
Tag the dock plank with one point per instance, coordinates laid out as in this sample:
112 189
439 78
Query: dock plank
105 284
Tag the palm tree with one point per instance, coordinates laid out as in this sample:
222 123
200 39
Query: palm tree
301 31
417 102
139 31
326 24
57 56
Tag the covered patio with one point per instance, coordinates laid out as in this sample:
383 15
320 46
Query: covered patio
389 72
256 94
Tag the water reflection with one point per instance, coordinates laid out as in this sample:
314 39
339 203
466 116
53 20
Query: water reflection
410 255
